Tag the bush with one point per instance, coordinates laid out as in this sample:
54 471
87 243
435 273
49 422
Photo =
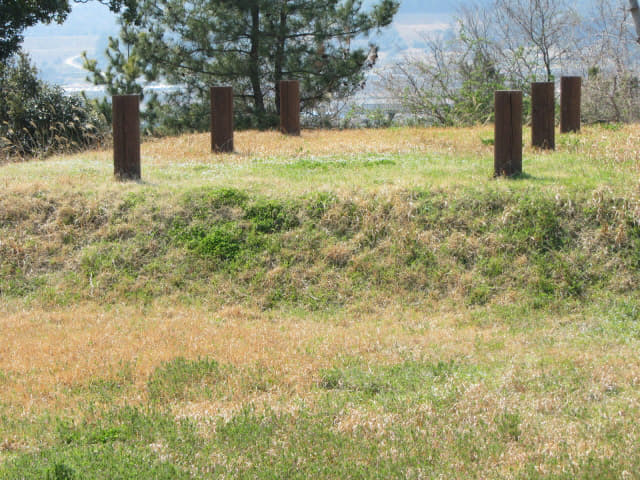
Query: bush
611 97
271 216
39 119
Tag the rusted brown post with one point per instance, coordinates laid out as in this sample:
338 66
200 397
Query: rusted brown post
221 119
508 133
543 115
290 107
570 98
126 136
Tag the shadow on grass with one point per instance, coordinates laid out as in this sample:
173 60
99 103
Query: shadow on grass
522 176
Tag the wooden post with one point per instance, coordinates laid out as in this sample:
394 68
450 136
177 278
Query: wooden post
508 133
570 98
290 107
126 136
221 119
543 115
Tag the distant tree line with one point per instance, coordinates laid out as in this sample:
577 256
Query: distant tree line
510 43
248 44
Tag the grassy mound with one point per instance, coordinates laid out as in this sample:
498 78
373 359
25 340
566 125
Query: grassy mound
365 304
320 251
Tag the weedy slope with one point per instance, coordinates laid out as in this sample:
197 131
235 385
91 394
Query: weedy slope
356 304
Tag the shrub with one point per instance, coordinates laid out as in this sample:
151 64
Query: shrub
222 241
39 119
270 216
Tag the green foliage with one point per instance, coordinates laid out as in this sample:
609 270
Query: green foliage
318 203
480 77
17 15
251 45
102 462
221 241
107 256
312 442
321 251
118 445
126 73
611 126
305 165
271 216
38 119
536 224
479 295
247 429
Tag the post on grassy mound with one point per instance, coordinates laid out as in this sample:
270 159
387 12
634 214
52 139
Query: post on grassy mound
508 133
570 98
221 119
543 115
126 136
290 107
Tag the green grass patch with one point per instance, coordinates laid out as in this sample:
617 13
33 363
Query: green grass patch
182 379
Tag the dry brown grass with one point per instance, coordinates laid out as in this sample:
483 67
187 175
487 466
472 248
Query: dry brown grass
622 145
253 144
49 358
45 352
45 355
429 157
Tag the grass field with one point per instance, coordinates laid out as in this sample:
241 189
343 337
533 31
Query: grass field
348 304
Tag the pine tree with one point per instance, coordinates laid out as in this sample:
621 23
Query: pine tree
126 73
253 44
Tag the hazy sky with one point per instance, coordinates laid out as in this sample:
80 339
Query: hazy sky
93 18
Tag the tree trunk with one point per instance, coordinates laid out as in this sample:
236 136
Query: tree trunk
279 60
635 12
547 65
254 61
